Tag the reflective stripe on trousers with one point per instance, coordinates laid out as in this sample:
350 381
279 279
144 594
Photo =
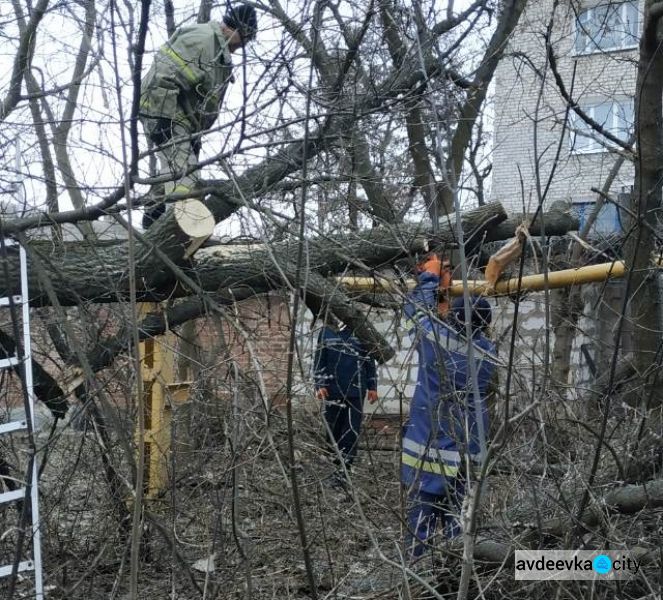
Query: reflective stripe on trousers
436 454
429 466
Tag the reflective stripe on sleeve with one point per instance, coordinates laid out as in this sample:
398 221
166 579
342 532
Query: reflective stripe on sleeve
180 62
439 468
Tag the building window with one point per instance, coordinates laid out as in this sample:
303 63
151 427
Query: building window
615 116
607 26
607 222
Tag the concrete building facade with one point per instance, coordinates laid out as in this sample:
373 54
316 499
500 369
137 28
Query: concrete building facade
563 54
539 142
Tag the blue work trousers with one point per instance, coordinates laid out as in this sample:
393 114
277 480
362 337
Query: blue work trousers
426 512
344 415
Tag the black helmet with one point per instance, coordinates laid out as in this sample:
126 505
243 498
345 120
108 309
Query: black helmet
481 312
242 18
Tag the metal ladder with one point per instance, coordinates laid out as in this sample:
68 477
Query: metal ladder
24 357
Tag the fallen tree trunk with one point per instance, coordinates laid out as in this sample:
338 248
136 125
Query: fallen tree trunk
255 265
628 500
557 221
84 272
243 270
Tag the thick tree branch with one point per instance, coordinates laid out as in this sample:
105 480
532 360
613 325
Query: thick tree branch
469 112
646 204
627 500
423 172
77 270
45 387
557 221
333 78
22 60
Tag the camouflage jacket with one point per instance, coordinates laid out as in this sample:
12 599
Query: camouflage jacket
188 78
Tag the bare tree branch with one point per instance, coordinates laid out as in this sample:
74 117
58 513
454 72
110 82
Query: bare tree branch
22 60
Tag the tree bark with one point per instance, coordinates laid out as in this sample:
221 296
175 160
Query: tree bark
647 197
414 122
84 272
566 308
557 221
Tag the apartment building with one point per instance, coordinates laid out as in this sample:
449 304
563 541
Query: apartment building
583 52
542 149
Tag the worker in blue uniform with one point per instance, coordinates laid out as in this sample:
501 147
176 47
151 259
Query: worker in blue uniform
441 432
344 375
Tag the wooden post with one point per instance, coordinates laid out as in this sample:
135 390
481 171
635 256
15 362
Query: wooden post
161 392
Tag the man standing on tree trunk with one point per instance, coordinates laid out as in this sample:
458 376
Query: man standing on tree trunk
441 432
344 376
182 93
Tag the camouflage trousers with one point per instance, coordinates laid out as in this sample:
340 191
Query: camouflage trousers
177 150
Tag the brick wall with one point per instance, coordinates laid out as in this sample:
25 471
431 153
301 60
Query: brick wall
256 340
259 346
261 350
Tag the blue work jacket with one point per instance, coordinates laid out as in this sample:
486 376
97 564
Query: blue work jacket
443 406
342 365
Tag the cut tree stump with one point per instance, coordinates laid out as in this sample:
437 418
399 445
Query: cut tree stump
196 221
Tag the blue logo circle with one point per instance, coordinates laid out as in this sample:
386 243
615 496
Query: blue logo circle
602 564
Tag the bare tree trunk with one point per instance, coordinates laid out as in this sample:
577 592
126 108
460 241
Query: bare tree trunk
469 112
647 200
565 312
189 359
